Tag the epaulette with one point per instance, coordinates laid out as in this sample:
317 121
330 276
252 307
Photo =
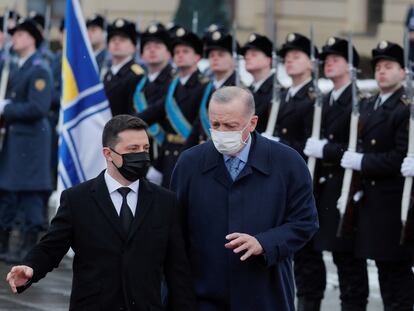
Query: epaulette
173 73
363 96
137 69
203 79
311 93
405 100
37 62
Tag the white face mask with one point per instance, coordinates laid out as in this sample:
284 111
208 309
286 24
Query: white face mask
228 142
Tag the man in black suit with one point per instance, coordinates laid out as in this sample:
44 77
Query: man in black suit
125 233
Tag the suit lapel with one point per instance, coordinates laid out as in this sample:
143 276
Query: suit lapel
102 198
145 198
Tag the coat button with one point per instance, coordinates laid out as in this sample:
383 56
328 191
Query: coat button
330 136
13 94
373 183
373 141
167 152
330 175
175 153
284 130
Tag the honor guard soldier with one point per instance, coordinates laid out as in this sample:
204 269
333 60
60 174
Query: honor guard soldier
44 50
293 127
124 74
336 116
257 53
176 114
218 47
96 26
25 158
382 145
156 54
294 121
55 106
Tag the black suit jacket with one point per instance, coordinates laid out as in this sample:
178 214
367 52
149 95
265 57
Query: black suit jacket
112 271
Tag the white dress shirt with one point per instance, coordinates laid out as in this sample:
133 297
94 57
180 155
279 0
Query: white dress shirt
337 93
116 68
116 197
153 76
294 89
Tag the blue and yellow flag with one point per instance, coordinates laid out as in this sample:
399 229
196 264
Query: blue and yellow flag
84 107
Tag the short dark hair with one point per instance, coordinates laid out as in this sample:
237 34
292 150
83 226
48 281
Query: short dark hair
118 124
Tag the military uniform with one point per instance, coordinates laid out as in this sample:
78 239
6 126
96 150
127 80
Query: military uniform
120 85
25 157
294 120
102 57
215 38
171 117
336 116
47 55
262 93
383 143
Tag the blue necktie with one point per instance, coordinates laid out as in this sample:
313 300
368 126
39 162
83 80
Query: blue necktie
233 165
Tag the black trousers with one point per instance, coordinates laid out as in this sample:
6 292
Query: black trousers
396 281
310 277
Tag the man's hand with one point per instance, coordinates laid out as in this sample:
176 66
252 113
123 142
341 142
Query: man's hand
3 103
314 147
407 167
244 242
18 276
352 160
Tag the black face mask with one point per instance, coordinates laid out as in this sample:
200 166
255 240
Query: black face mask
134 165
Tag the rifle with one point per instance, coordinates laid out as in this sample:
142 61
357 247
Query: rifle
138 45
344 198
47 25
317 111
235 55
408 182
5 70
195 22
274 111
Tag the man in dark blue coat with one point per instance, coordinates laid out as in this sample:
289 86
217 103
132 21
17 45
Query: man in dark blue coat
248 207
25 157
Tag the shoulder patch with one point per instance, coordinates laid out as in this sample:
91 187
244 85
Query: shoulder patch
137 69
40 84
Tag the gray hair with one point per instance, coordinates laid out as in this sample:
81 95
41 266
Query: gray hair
227 94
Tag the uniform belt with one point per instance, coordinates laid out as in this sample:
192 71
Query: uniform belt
175 139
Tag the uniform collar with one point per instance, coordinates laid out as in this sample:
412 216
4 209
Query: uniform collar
116 68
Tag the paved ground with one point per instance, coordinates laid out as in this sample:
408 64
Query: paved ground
52 293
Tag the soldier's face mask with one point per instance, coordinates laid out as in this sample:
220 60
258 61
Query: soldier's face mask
134 165
228 142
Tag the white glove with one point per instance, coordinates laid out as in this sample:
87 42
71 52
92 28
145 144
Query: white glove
3 104
154 176
407 167
314 147
274 138
352 160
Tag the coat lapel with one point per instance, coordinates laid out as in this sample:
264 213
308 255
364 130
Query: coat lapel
145 198
213 161
380 115
339 106
102 198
